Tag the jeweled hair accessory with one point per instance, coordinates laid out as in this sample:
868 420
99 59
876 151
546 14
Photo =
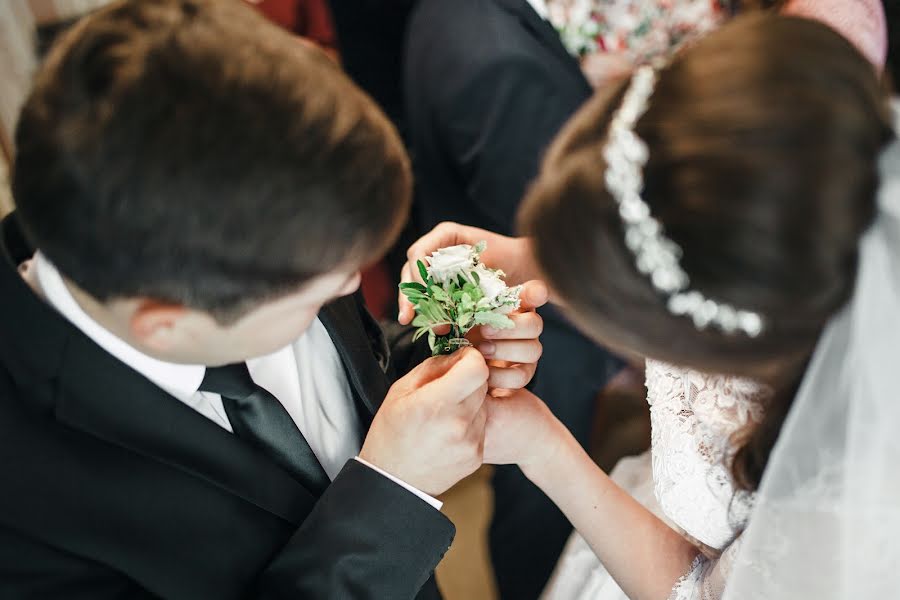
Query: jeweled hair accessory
657 256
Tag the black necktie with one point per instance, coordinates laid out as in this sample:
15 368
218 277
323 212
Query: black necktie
259 418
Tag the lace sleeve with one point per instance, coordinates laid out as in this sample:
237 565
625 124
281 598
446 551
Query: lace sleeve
707 577
694 416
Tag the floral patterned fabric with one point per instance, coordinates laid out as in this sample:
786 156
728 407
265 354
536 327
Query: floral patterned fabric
643 31
649 31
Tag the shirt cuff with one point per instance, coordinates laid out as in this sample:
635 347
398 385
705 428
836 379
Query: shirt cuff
434 502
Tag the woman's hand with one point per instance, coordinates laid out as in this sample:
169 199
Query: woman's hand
521 430
512 255
513 354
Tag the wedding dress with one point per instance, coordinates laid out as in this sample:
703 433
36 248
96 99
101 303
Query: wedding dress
684 479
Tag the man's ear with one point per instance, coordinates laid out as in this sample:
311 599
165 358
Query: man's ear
157 324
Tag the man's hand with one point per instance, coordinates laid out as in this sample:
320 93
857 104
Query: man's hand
513 255
429 432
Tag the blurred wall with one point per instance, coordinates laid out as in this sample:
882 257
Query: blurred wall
17 63
6 203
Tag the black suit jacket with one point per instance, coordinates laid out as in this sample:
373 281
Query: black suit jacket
488 84
370 37
111 488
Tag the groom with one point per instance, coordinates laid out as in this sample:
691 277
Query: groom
194 403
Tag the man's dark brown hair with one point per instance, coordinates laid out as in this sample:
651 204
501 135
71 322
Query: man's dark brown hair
188 151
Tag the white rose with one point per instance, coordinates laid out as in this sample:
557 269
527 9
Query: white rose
447 263
489 282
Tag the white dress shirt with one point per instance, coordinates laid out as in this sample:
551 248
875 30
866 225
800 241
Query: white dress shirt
307 377
540 7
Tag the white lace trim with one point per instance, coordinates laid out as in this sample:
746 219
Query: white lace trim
691 582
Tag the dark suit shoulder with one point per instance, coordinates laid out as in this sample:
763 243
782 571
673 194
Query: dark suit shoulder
464 35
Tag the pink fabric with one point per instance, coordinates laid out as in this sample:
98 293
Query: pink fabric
860 21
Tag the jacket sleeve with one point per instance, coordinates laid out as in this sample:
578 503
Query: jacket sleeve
366 538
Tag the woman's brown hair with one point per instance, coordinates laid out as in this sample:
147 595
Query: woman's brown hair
763 140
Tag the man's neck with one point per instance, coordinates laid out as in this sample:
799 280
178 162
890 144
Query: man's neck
109 328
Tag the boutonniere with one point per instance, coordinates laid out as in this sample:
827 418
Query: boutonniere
459 293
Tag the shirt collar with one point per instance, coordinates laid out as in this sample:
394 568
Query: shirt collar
181 381
540 7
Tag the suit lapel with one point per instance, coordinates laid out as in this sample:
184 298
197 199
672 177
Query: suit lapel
544 32
362 349
101 396
68 376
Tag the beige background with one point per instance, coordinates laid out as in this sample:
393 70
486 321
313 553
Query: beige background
5 197
18 19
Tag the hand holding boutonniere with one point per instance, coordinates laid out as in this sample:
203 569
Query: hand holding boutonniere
458 293
461 302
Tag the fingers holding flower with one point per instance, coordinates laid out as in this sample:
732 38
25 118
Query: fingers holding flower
513 255
513 352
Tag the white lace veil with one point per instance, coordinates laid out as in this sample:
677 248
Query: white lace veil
826 525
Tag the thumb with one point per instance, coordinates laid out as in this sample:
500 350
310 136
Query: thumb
535 294
432 368
455 377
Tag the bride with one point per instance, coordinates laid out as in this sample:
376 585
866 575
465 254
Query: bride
721 214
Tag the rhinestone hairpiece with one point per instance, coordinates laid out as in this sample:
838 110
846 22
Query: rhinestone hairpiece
657 256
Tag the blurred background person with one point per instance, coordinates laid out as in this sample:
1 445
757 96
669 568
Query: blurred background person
370 35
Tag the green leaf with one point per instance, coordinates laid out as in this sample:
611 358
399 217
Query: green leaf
422 270
439 294
411 293
476 278
413 286
495 320
465 319
430 309
466 303
414 296
421 321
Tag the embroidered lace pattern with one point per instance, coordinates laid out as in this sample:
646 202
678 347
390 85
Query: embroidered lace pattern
694 416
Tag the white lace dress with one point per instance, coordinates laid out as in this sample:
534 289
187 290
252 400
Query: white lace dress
683 479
